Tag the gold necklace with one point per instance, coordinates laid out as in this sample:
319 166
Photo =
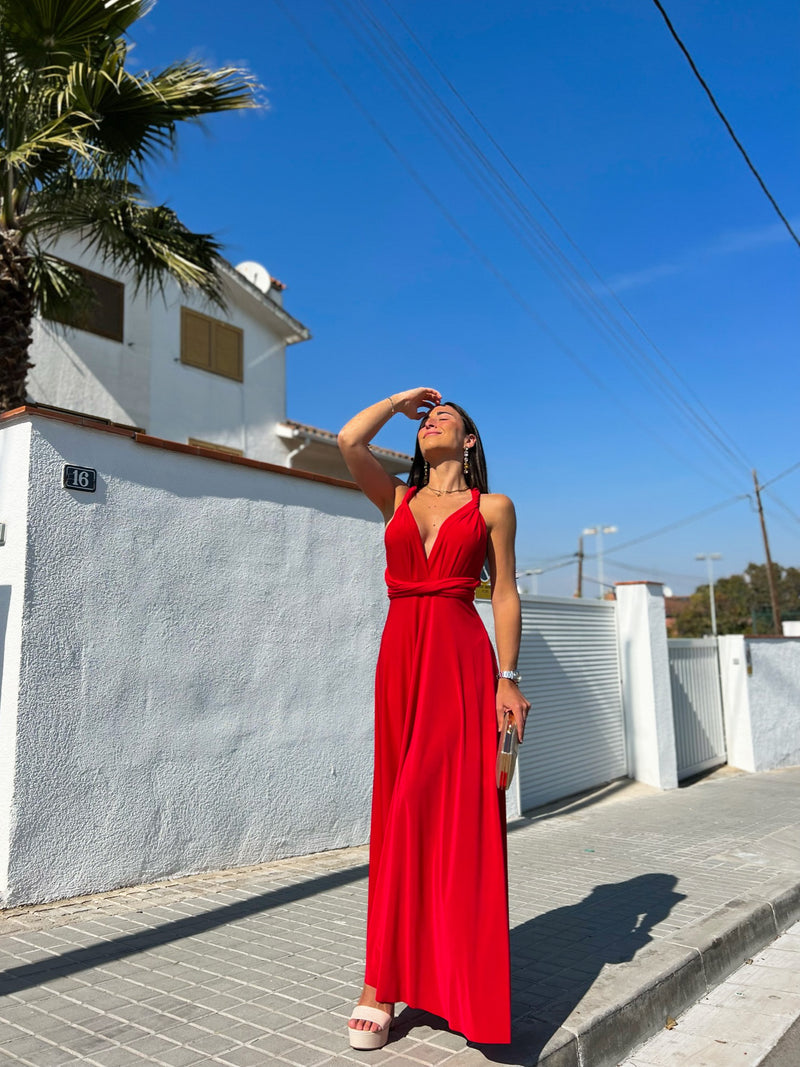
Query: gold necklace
445 492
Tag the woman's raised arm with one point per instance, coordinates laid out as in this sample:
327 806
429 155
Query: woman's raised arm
355 436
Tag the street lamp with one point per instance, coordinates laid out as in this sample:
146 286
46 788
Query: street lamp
709 557
535 574
599 531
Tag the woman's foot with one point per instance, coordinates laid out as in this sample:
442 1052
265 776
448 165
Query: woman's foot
369 1024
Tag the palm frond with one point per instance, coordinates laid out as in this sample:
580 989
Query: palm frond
59 290
147 241
75 125
40 32
138 114
55 135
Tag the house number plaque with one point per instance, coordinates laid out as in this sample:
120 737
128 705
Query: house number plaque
82 478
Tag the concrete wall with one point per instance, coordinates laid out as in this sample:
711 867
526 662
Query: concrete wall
735 701
646 689
14 453
195 644
774 690
141 380
761 701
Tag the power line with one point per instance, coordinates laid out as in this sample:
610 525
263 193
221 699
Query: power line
782 504
783 474
570 560
424 88
656 571
403 73
482 256
545 207
728 126
557 566
675 525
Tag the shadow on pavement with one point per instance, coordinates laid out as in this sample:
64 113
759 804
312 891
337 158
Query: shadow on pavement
118 948
556 957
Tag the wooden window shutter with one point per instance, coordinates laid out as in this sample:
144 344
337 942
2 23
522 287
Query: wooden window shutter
212 345
196 339
106 314
227 347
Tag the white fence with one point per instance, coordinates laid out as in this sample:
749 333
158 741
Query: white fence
696 704
169 637
761 700
187 672
568 659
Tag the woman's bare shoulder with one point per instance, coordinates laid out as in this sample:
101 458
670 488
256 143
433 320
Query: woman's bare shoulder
496 504
401 490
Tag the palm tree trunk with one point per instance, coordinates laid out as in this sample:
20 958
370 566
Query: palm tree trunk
16 318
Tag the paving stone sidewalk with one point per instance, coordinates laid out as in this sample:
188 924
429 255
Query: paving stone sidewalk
261 965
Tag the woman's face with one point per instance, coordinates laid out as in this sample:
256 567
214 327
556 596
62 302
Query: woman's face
442 430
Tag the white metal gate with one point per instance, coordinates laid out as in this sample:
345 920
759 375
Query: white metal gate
696 704
575 738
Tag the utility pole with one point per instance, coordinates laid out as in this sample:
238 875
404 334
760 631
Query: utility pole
579 594
773 596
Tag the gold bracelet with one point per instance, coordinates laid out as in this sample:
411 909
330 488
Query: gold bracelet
394 412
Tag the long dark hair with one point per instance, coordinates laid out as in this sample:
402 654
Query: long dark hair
476 478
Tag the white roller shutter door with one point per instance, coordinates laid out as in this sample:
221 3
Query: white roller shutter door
575 737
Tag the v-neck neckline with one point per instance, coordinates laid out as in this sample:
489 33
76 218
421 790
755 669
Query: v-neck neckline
407 501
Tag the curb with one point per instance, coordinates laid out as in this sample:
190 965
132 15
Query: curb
629 1003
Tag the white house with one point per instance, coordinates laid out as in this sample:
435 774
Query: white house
182 370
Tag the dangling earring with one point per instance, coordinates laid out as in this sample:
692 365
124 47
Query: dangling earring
466 461
426 473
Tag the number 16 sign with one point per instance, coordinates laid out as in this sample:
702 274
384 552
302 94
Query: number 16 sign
81 478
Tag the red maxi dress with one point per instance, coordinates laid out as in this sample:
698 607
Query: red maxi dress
437 919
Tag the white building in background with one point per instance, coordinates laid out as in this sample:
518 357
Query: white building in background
180 369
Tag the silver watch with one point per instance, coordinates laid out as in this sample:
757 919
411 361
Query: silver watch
515 676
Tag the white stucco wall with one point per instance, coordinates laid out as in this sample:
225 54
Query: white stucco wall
14 453
141 380
761 701
191 402
646 690
774 697
736 701
197 665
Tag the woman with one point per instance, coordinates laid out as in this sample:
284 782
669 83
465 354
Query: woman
437 914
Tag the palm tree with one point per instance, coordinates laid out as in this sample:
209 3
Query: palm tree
77 130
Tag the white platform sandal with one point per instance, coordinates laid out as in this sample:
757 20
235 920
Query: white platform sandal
369 1039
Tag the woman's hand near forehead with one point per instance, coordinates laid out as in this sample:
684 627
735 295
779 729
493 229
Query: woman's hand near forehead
354 438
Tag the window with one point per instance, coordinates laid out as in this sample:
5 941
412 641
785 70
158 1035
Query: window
211 345
105 316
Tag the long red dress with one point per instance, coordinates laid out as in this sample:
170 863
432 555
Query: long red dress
437 920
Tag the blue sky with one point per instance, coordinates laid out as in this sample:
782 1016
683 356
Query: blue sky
458 286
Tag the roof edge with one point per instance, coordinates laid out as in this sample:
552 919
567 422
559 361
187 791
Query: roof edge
296 331
101 425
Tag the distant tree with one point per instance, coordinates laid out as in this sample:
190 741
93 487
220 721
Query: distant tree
742 602
77 129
